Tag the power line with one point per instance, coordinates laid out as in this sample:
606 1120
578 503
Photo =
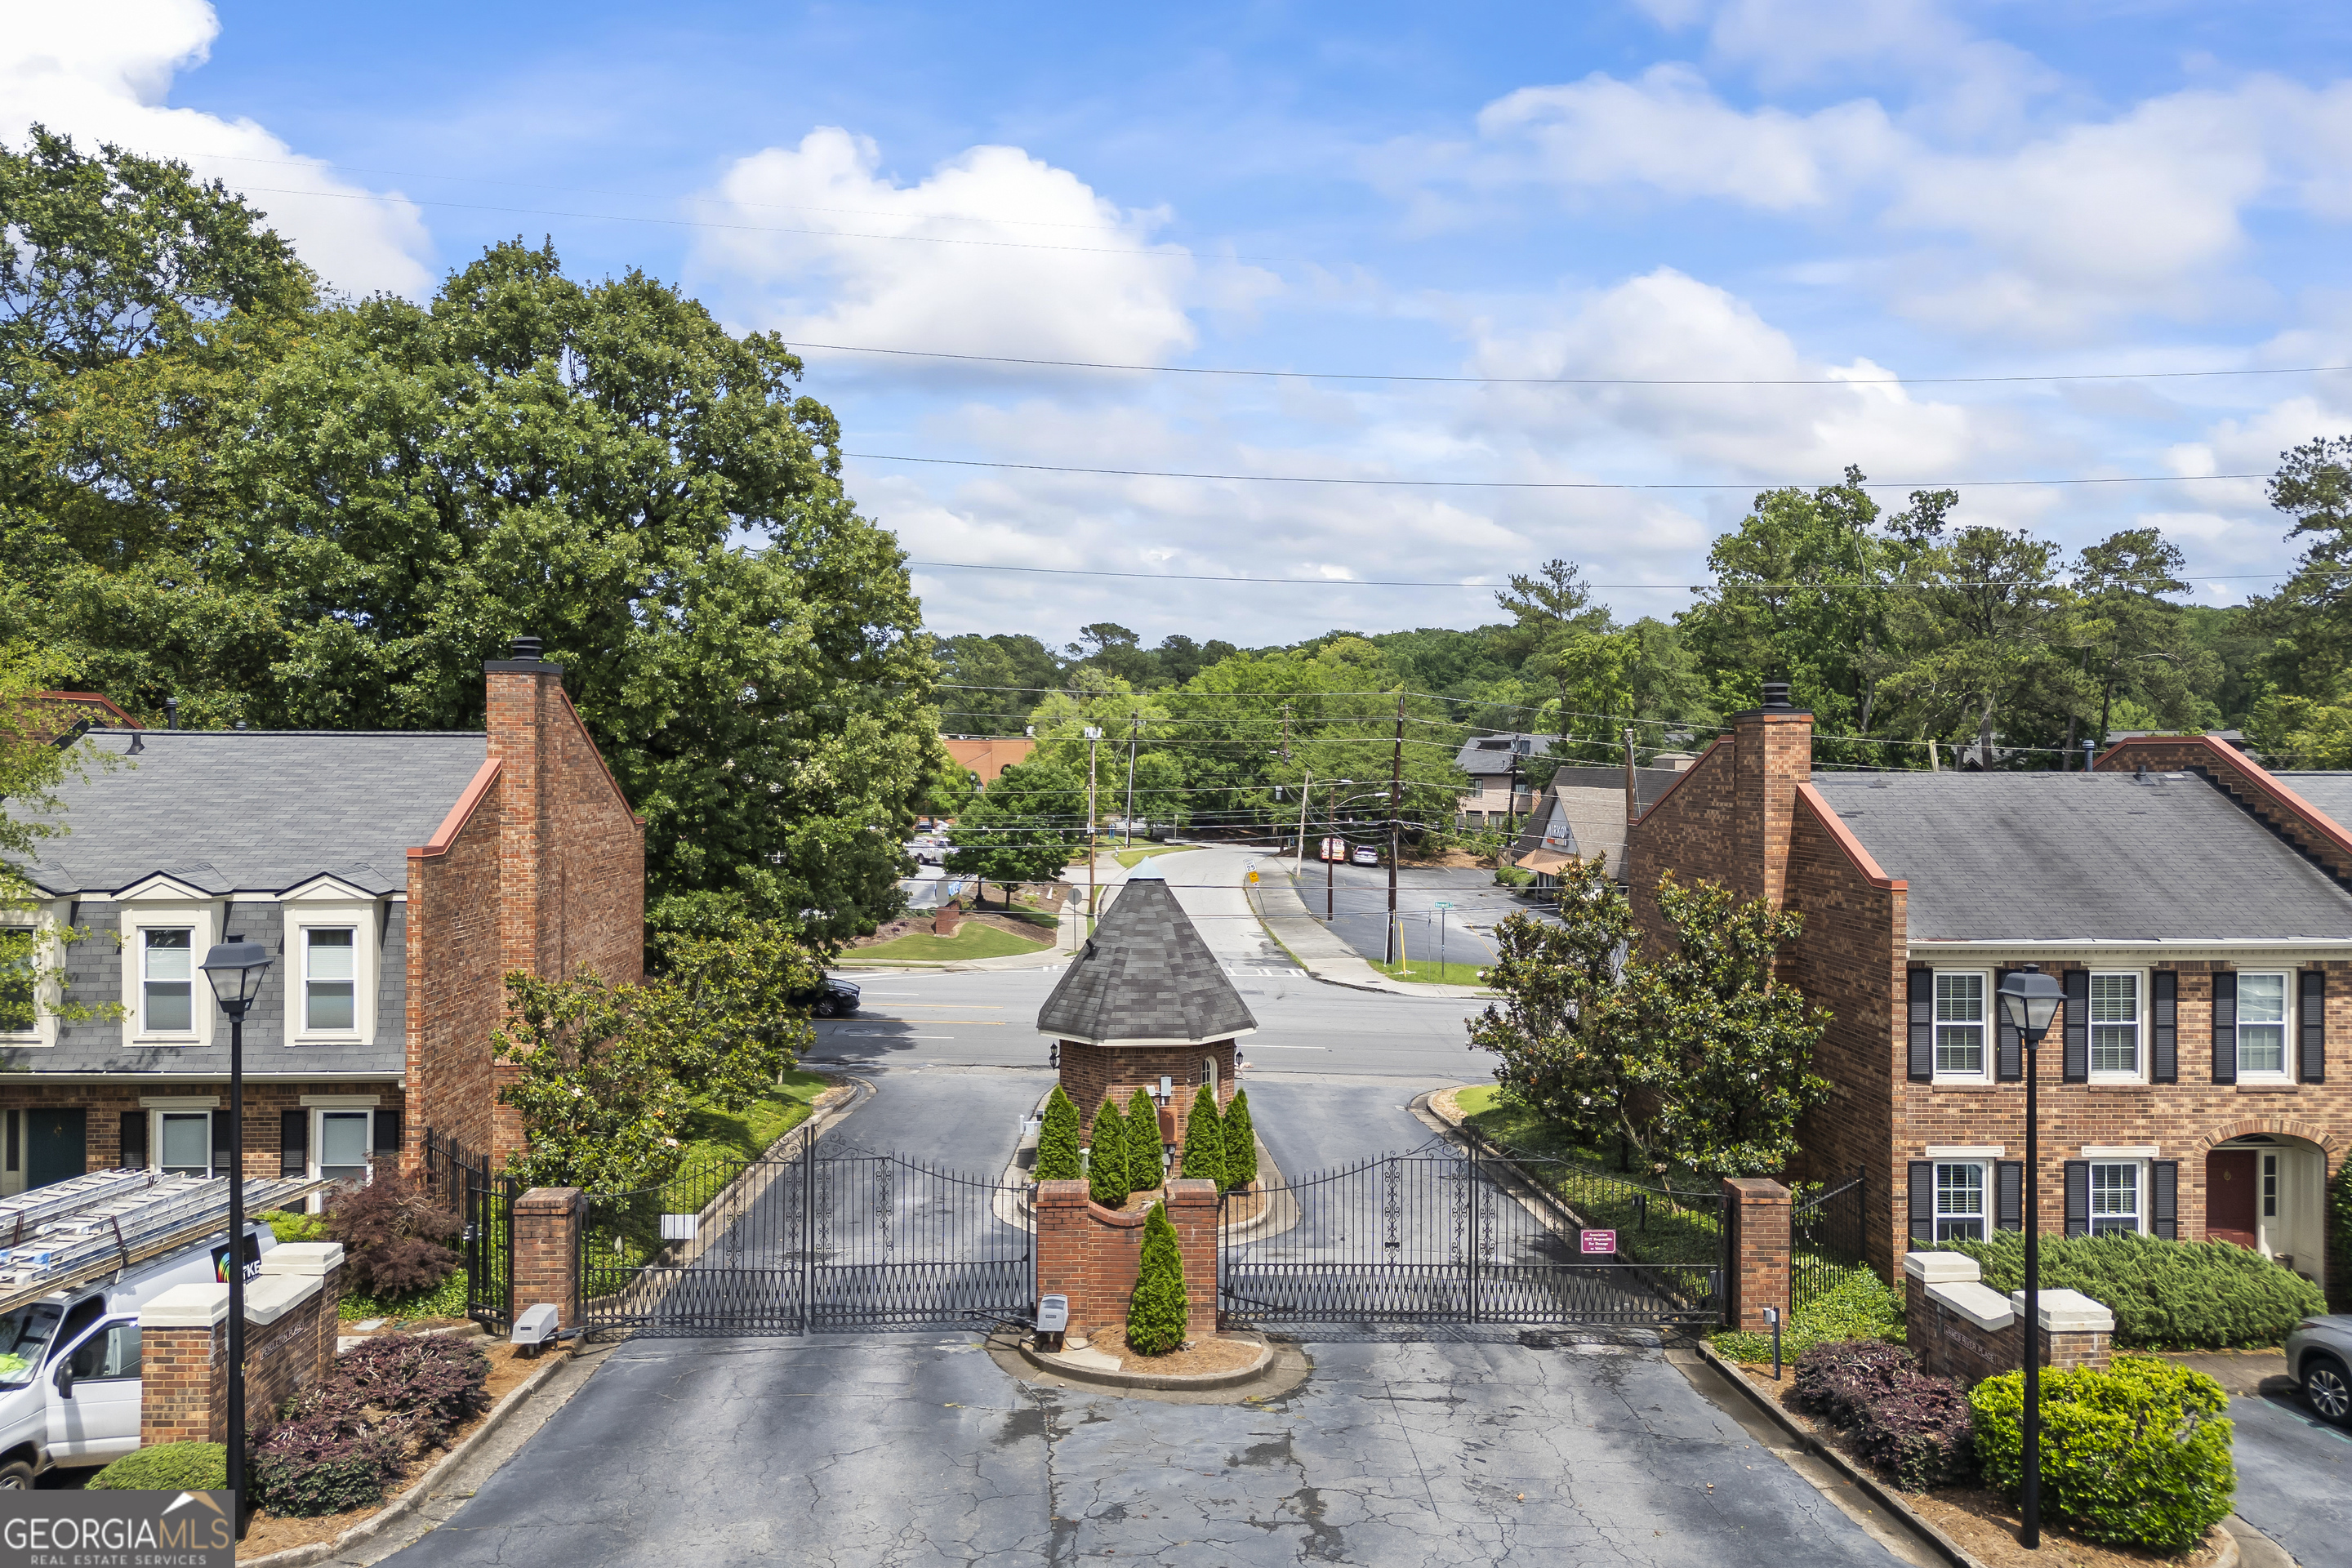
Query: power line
1534 484
1719 585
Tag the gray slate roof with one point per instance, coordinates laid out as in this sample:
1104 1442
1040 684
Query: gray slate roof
1145 976
1490 754
256 810
2084 857
2330 791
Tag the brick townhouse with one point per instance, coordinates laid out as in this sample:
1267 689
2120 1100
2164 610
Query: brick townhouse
396 877
2196 909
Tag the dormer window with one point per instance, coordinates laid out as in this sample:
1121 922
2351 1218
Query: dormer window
167 980
327 975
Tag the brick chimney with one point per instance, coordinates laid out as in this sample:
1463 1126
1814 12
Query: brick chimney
1772 754
524 695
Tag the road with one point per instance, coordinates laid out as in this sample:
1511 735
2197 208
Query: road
2295 1473
1358 898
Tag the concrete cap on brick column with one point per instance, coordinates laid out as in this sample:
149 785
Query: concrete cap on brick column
192 1306
2068 1312
306 1258
273 1296
1980 1304
1940 1267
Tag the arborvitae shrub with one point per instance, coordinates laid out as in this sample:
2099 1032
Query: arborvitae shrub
1146 1165
1155 1313
167 1467
2166 1295
1106 1181
1057 1141
1241 1143
1204 1140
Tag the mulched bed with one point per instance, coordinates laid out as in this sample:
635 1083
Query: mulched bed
920 925
1984 1524
1240 1208
1201 1356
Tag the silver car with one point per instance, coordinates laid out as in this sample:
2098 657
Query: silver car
2319 1357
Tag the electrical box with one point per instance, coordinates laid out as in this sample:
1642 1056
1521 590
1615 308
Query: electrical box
1052 1314
677 1227
535 1327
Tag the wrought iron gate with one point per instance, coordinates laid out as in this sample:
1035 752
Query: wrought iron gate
483 1200
1447 1235
812 1236
1826 1235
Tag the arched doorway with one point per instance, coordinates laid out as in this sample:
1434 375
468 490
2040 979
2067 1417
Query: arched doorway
2267 1192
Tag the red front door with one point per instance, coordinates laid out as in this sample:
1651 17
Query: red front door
2230 1187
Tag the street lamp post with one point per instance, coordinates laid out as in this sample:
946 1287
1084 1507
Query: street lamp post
2028 999
236 968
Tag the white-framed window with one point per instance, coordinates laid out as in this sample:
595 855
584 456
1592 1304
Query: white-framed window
2117 1196
2264 1000
328 970
2115 1026
1960 1045
340 1141
2270 1187
167 981
333 963
1960 1198
184 1142
28 995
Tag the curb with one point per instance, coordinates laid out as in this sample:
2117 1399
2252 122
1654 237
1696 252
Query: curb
408 1501
1162 1382
1383 986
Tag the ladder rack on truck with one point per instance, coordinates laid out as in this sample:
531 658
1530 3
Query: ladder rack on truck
27 1212
138 1224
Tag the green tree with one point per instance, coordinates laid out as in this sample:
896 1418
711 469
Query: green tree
1988 625
1106 1158
1158 1313
38 750
1025 826
1147 1160
1057 1139
1241 1143
2134 644
1204 1140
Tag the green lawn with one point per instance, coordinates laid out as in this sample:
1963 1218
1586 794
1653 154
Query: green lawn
1425 971
745 1134
1132 858
976 940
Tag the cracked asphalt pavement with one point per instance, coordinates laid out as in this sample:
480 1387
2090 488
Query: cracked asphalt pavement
920 1450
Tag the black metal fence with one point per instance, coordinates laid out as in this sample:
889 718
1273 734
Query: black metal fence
1447 1235
463 1182
1826 1238
812 1236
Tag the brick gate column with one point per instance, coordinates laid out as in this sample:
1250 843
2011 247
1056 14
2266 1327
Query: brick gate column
548 1222
1757 1211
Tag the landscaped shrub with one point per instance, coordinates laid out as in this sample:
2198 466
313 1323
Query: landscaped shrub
307 1467
419 1387
167 1467
2339 1237
2137 1454
445 1300
1057 1139
1835 1380
392 1233
1204 1140
1146 1162
1241 1143
2166 1295
288 1225
1106 1181
1855 1305
387 1398
1907 1424
1155 1313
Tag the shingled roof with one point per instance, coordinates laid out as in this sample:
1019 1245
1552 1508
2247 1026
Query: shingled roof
1145 978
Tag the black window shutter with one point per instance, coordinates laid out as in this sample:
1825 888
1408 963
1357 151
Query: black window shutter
1923 1199
2009 1195
2009 1052
387 1134
134 1140
220 1144
2164 1199
2075 1067
2164 1028
293 1143
2078 1197
2225 1028
2313 1059
1923 1025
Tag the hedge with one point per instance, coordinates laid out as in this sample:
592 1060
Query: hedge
2137 1454
167 1467
2166 1295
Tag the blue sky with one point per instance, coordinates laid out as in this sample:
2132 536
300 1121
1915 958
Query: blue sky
1838 196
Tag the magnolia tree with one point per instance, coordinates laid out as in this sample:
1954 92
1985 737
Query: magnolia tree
1692 1056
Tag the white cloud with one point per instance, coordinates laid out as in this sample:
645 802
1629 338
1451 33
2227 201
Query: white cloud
993 252
99 70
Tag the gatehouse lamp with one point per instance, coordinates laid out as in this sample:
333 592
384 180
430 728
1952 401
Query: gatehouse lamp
2029 1001
236 968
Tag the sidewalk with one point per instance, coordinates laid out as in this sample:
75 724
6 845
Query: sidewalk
1323 956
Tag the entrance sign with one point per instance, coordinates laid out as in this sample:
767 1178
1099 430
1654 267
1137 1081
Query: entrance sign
1442 904
1601 1241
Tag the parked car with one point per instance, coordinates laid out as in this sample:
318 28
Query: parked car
2319 1357
924 852
1366 855
829 999
70 1373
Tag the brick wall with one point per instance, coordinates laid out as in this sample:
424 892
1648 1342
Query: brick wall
1950 1344
181 1397
1091 1074
1757 1211
183 1366
456 983
1091 1255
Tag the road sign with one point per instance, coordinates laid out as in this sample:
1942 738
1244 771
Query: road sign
1253 876
1602 1241
1440 904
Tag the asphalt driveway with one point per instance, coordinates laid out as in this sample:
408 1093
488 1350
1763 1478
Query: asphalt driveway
921 1451
2294 1474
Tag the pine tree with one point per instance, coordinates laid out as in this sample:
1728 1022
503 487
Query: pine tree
1107 1168
1241 1143
1057 1141
1146 1165
1204 1140
1156 1312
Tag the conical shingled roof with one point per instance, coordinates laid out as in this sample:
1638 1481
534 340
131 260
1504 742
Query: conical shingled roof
1145 978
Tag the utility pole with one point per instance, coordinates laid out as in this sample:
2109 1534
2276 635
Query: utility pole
1396 824
1330 828
1514 806
1298 861
1134 726
1094 733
